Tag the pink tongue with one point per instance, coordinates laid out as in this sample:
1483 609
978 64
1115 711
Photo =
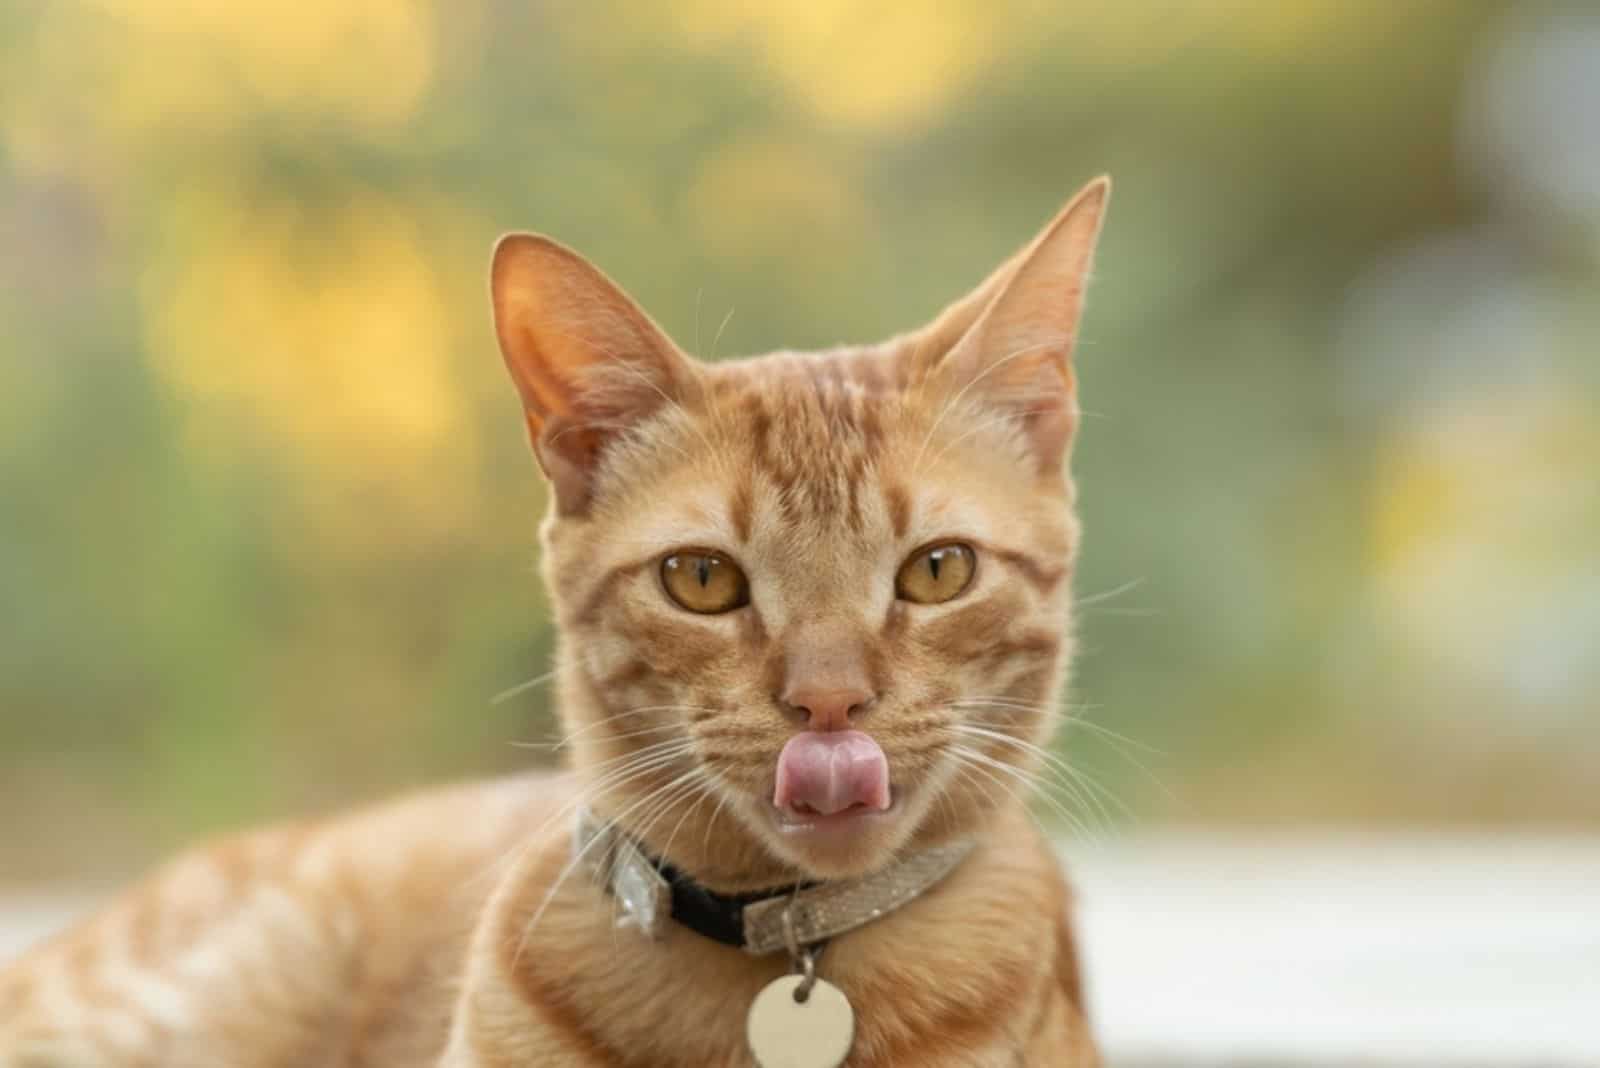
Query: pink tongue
830 771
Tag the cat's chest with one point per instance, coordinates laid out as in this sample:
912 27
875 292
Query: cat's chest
959 972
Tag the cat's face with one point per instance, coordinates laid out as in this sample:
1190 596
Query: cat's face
814 607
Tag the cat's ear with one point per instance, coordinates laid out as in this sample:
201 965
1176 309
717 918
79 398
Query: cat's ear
1009 343
586 359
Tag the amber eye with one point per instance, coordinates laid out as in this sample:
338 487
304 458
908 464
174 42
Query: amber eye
935 574
704 582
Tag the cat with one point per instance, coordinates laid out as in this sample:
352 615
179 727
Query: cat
814 610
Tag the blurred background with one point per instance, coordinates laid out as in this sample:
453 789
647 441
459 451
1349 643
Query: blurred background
267 512
266 509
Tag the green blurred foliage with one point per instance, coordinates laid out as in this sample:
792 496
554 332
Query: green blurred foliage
266 512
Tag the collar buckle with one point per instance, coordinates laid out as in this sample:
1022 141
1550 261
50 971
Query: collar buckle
622 867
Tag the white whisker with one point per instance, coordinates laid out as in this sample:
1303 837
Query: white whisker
1007 417
579 855
718 339
1106 595
1027 780
522 687
1056 763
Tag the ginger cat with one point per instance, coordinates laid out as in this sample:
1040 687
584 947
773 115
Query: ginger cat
814 612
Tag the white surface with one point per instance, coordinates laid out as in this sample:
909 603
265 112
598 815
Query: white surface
1336 950
1325 950
27 917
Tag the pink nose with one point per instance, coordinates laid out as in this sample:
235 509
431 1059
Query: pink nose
827 709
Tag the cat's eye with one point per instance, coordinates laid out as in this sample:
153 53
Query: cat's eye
936 573
704 582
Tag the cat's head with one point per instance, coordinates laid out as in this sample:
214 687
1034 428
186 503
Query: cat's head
814 607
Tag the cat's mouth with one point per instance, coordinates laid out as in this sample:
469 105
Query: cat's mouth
801 819
832 809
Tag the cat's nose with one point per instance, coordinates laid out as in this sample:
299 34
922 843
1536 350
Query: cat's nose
827 708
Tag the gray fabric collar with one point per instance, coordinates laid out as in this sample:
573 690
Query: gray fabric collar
651 892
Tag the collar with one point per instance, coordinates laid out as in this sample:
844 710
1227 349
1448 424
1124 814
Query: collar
651 891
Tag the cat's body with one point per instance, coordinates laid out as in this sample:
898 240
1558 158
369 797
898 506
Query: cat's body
315 945
341 946
860 557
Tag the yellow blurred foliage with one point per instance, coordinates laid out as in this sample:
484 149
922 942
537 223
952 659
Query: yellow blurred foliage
896 62
881 63
330 334
1475 517
319 57
754 196
114 73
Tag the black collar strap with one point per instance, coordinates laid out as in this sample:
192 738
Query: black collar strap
719 917
651 891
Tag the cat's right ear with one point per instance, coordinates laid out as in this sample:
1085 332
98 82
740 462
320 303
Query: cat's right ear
1009 344
587 361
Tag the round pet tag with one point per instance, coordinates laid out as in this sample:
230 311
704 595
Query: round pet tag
814 1033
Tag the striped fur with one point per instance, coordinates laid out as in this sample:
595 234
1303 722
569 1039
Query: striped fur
451 929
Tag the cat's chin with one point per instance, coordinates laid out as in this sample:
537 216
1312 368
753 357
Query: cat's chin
841 845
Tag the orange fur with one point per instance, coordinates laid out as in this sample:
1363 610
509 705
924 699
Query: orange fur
456 928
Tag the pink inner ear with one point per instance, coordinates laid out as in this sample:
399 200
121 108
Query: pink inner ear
572 339
1017 355
585 358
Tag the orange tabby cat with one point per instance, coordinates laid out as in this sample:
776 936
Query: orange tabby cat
814 610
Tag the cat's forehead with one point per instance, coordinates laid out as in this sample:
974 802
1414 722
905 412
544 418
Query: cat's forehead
808 458
818 432
856 369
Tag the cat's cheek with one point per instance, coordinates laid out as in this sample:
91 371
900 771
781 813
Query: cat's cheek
664 644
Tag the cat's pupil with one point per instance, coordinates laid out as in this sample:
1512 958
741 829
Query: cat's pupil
933 565
703 568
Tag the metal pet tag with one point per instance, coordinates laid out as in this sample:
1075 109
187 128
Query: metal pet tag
814 1033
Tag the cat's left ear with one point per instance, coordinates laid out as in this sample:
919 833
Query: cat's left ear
1020 328
587 361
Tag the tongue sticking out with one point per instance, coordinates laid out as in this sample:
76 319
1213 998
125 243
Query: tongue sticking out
829 772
